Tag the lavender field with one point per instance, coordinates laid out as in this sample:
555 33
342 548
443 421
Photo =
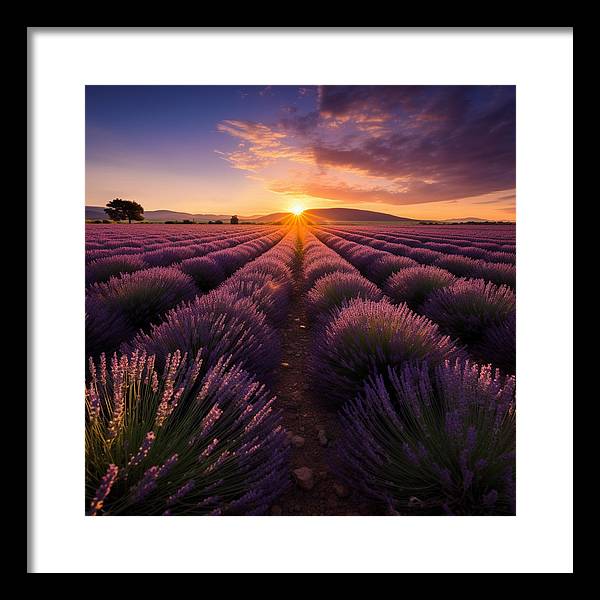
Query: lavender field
300 369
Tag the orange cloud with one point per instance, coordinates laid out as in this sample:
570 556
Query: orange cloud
262 146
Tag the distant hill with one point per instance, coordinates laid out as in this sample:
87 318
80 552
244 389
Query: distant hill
97 212
314 215
337 215
351 214
273 217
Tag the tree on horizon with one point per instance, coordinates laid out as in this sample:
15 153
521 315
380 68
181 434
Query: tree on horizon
119 210
234 220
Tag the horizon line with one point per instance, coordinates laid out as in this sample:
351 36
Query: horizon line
289 212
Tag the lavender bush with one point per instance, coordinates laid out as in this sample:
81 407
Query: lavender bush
433 441
271 296
387 265
461 266
331 291
163 257
272 266
425 256
498 273
501 257
414 284
206 272
473 252
325 265
103 269
217 324
179 443
104 329
117 308
468 307
365 337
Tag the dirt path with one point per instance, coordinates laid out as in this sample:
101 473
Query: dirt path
304 416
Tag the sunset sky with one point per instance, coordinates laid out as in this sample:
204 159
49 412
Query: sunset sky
427 152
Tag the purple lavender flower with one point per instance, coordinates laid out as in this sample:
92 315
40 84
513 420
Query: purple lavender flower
93 401
217 324
271 296
461 266
324 265
366 336
185 489
414 285
387 265
331 291
106 483
117 308
468 307
499 273
142 453
103 269
425 256
222 439
205 270
165 257
450 453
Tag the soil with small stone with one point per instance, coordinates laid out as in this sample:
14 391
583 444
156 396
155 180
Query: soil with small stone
313 428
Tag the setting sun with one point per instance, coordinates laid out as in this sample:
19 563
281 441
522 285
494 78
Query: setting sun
297 210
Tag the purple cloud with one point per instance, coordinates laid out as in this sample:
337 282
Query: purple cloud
401 144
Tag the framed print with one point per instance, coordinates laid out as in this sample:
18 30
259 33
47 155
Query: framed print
282 298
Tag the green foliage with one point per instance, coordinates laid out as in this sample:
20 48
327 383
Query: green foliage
121 210
180 443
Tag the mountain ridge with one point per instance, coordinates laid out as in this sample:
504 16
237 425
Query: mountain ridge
315 215
164 214
352 214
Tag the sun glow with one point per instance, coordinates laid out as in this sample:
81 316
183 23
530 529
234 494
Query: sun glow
297 210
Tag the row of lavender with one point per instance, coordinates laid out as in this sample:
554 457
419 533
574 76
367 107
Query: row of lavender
501 240
203 437
101 264
497 267
425 429
119 238
129 301
477 311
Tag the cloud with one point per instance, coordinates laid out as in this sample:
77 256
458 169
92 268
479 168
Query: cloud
261 146
340 192
301 125
393 144
252 132
494 201
343 192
